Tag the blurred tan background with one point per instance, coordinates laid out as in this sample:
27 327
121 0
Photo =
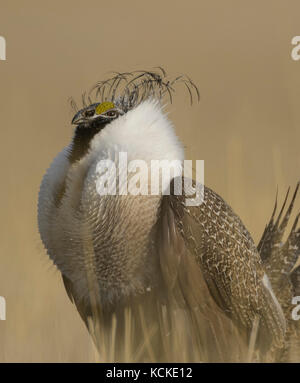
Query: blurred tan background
246 127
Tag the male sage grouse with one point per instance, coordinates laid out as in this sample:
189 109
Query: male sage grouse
153 278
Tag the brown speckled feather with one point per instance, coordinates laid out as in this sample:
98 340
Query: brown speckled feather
229 260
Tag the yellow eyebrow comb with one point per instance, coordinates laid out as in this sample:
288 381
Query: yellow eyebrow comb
104 106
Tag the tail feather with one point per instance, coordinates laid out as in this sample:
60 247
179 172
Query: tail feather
281 262
280 258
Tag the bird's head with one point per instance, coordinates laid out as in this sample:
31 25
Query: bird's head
123 92
98 113
125 111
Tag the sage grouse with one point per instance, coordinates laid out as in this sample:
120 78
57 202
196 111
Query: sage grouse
151 277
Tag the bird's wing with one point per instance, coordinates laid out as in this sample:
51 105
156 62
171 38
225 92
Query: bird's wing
225 253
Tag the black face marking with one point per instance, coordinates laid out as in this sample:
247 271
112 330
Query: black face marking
89 113
80 146
82 138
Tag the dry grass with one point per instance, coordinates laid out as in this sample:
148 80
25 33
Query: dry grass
186 327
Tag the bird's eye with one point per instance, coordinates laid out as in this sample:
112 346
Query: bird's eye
111 113
89 113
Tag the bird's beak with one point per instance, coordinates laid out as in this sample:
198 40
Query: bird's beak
77 119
